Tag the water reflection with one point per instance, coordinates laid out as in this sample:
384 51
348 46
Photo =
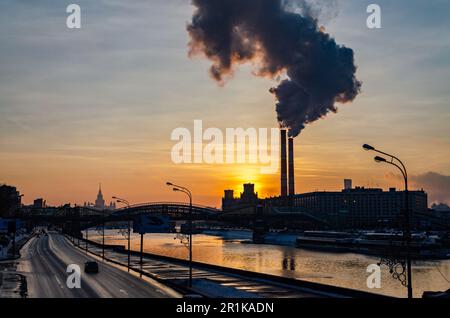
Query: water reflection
340 269
288 263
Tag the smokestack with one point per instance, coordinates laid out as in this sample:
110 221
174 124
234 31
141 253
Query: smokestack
283 164
281 38
291 167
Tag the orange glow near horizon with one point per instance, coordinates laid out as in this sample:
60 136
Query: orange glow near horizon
75 112
75 180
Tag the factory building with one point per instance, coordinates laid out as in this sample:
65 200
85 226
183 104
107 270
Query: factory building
363 208
351 208
247 198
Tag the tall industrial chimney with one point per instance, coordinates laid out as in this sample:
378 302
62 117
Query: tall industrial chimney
283 164
291 167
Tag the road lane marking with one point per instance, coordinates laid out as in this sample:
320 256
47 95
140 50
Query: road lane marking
123 291
109 267
59 282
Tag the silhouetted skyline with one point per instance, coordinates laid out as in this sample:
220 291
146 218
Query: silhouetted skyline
100 103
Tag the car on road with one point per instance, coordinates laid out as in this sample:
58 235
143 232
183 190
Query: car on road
91 267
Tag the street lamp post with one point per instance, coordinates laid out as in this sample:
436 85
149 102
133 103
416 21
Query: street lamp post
407 230
103 240
141 262
119 200
189 194
87 233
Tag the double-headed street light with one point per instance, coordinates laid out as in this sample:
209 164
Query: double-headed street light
393 160
189 194
120 200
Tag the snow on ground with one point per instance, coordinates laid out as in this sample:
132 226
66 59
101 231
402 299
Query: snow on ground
216 290
4 250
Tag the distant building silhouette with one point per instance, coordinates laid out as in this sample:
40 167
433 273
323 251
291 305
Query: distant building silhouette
440 207
248 197
100 202
39 203
350 208
348 184
363 207
10 200
442 210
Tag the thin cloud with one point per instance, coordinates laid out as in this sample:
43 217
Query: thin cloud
435 184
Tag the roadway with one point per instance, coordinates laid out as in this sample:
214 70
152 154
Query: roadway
218 283
44 263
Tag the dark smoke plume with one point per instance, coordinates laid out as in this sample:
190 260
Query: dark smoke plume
280 38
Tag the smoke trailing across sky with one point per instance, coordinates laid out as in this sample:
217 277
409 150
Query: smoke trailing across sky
280 38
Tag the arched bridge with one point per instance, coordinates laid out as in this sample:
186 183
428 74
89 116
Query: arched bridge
175 210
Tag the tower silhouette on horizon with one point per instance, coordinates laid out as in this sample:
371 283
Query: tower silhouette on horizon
100 201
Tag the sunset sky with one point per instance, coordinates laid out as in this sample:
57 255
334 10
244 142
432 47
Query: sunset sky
80 107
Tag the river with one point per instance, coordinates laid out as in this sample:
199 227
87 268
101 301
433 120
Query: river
339 269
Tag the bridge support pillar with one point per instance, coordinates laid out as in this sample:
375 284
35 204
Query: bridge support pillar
259 225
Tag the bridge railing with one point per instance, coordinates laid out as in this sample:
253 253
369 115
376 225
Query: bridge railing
184 204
